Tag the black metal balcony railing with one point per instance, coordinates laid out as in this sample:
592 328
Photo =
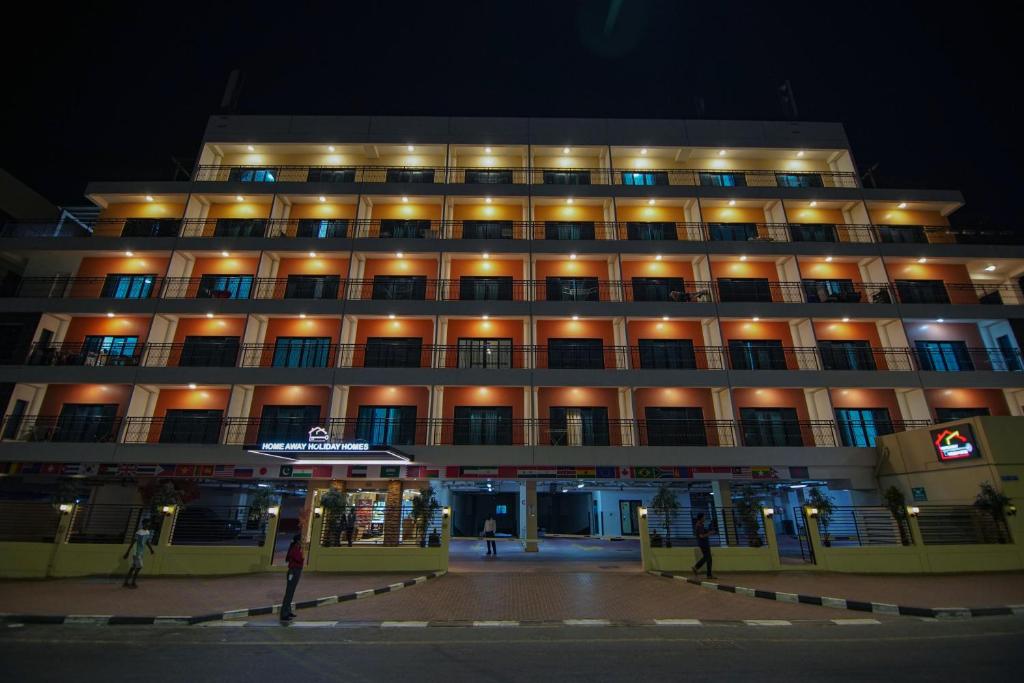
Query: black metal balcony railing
193 354
60 428
967 359
80 353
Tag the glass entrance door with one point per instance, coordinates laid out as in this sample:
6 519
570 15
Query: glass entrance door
629 516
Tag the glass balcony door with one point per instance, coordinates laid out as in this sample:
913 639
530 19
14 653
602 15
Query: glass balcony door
476 288
675 426
191 426
393 352
322 229
770 427
109 350
579 426
487 230
394 287
575 354
569 230
287 423
654 230
482 426
944 356
656 288
224 287
128 286
860 426
386 425
572 289
209 352
86 422
485 353
744 289
676 354
757 354
302 352
846 355
312 287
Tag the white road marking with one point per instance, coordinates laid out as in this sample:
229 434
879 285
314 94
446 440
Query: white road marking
404 624
767 622
678 622
856 622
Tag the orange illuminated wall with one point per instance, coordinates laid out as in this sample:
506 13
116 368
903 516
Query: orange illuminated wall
950 273
186 399
59 394
121 326
483 396
820 270
111 218
737 268
400 327
674 397
851 332
646 214
577 397
575 329
738 329
219 265
965 332
906 217
568 212
483 267
208 327
488 212
732 214
321 265
808 215
406 211
483 329
399 266
652 268
867 398
299 327
771 398
992 399
101 266
325 211
287 395
388 396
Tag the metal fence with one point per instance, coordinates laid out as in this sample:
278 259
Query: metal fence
961 525
29 522
110 524
729 526
385 525
862 526
224 525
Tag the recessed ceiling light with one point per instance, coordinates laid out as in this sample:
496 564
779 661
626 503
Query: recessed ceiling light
411 148
209 315
940 320
664 317
250 148
990 268
330 148
110 314
743 258
657 257
828 259
486 255
225 254
405 200
323 198
488 200
721 152
565 150
572 257
399 254
643 151
901 205
756 318
650 202
240 198
800 153
129 253
846 320
391 316
149 197
568 200
191 385
487 150
486 317
732 202
922 260
814 204
575 317
302 315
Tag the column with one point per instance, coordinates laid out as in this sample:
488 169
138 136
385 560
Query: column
722 492
530 513
393 513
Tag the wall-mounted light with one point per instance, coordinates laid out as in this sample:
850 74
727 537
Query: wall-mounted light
273 510
250 148
1011 510
913 510
167 509
768 512
312 254
572 257
487 200
129 253
650 202
391 316
405 200
485 256
940 320
846 320
565 150
330 148
812 512
568 200
318 511
446 512
755 318
209 315
990 268
743 257
399 254
487 150
665 318
642 512
110 314
813 204
721 152
225 254
65 508
657 257
922 260
575 317
410 148
302 315
828 259
485 317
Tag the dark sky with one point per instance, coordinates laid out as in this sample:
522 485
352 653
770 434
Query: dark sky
102 92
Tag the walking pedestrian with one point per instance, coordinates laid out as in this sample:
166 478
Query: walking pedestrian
490 527
296 561
350 525
703 533
142 539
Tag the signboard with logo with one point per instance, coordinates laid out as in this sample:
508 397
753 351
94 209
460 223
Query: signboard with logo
319 446
955 442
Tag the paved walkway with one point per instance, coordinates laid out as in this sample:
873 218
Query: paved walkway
556 555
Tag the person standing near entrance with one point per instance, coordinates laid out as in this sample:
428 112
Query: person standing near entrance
142 539
490 528
296 561
350 525
703 535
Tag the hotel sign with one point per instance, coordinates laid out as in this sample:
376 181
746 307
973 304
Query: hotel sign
318 444
955 442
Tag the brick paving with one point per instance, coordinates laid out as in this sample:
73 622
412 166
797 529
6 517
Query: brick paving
556 555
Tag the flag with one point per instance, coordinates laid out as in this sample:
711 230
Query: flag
357 471
296 471
324 471
224 471
605 472
124 470
148 470
204 470
245 472
184 470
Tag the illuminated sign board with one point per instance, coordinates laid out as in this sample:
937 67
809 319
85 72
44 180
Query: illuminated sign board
955 442
318 445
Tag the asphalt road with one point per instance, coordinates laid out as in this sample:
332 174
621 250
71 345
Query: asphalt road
905 650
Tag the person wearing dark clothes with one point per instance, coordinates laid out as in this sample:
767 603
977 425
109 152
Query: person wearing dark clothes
703 533
350 525
490 529
296 561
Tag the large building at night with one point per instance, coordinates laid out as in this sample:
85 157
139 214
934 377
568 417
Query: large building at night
531 314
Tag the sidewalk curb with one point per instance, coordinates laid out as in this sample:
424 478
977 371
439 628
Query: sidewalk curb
854 605
228 615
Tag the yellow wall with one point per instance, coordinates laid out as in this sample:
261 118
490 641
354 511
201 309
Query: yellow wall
407 211
568 212
488 212
676 214
322 210
906 217
808 215
732 214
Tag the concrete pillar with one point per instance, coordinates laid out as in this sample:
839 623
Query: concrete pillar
530 544
393 513
722 492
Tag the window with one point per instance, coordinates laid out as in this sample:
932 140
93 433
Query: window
191 426
387 425
410 175
714 179
485 353
798 180
568 230
566 177
922 291
770 427
302 352
816 232
331 175
474 288
732 232
224 287
575 354
312 287
240 227
86 423
124 286
487 230
322 229
656 288
572 289
900 234
654 230
831 291
209 352
859 426
482 426
109 350
645 178
953 414
1007 356
667 353
744 289
400 287
287 423
402 228
393 352
150 227
944 356
253 175
675 427
579 426
488 176
757 354
846 355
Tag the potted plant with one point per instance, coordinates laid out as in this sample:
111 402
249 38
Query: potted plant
826 508
666 505
157 493
897 504
994 502
747 512
333 502
260 501
423 508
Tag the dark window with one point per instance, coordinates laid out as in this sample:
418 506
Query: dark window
312 287
714 179
667 353
572 289
675 427
770 427
402 228
900 234
13 423
393 352
224 287
732 232
943 356
953 414
386 425
288 423
331 175
645 178
860 426
150 227
400 287
124 286
654 230
322 228
488 176
86 423
566 177
757 354
410 175
798 179
922 291
209 352
568 230
110 350
191 426
487 230
846 355
830 291
656 288
485 353
1007 356
240 227
482 425
744 289
575 354
474 288
302 352
579 426
253 175
816 232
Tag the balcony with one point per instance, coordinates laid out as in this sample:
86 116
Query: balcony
120 354
60 428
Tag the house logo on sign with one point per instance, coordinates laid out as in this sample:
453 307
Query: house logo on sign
318 435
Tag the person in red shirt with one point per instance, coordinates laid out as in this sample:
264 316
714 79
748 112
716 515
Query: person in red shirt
296 561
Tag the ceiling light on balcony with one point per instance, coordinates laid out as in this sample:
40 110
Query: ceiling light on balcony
665 318
110 314
323 198
657 257
149 197
250 148
721 152
330 148
901 205
922 260
828 259
487 150
209 315
399 254
410 148
644 151
575 317
191 385
485 255
743 258
940 320
391 316
225 254
572 257
312 254
732 202
813 204
488 200
129 253
485 317
846 320
756 318
990 268
240 198
405 200
568 200
650 202
302 315
565 150
800 153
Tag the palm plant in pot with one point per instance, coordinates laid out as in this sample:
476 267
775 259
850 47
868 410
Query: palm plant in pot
826 508
747 511
334 503
666 505
897 504
423 508
995 503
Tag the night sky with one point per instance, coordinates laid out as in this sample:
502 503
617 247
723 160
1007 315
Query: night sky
96 92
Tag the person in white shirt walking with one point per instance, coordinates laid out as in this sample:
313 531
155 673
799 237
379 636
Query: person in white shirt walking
142 539
490 527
